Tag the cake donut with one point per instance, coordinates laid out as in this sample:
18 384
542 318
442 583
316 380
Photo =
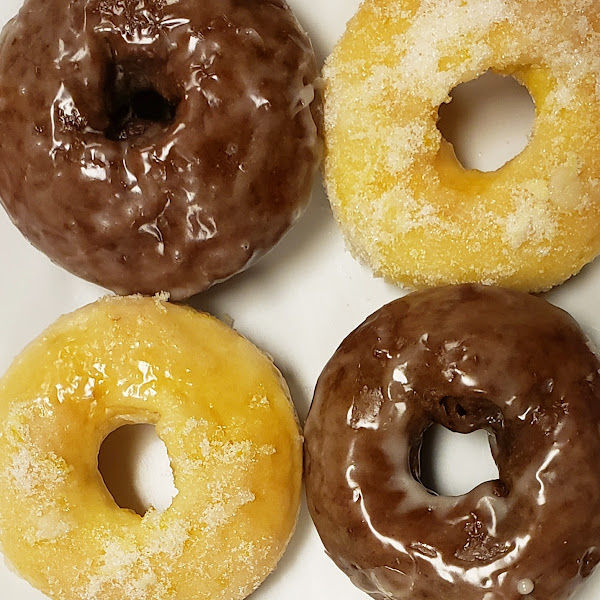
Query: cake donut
224 413
405 204
467 357
156 146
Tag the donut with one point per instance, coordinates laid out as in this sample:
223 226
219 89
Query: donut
406 206
224 413
156 146
467 357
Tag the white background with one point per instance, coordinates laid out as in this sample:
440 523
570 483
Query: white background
297 304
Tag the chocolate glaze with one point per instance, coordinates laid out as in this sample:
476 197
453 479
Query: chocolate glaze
151 145
467 357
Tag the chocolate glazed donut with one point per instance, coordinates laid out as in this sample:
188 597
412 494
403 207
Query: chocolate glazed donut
151 145
467 357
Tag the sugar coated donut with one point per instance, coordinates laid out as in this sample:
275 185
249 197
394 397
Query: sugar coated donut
405 204
153 145
221 408
467 357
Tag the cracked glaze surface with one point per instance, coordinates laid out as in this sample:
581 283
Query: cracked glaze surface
156 144
466 357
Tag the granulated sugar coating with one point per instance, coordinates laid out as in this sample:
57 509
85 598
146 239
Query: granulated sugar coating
224 413
405 204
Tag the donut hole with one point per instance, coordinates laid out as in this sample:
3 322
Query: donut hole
136 470
134 103
488 121
452 464
149 105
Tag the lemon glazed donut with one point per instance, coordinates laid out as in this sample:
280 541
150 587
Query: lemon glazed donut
405 204
224 413
466 357
152 145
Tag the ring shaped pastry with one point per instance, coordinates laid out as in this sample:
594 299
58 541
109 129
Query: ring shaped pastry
221 408
405 204
466 357
156 146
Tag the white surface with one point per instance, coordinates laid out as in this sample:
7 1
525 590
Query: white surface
472 127
297 304
135 466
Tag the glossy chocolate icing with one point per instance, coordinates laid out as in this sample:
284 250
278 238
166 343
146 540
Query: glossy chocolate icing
151 145
468 357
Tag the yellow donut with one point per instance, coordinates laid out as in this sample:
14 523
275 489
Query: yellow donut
224 413
405 204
